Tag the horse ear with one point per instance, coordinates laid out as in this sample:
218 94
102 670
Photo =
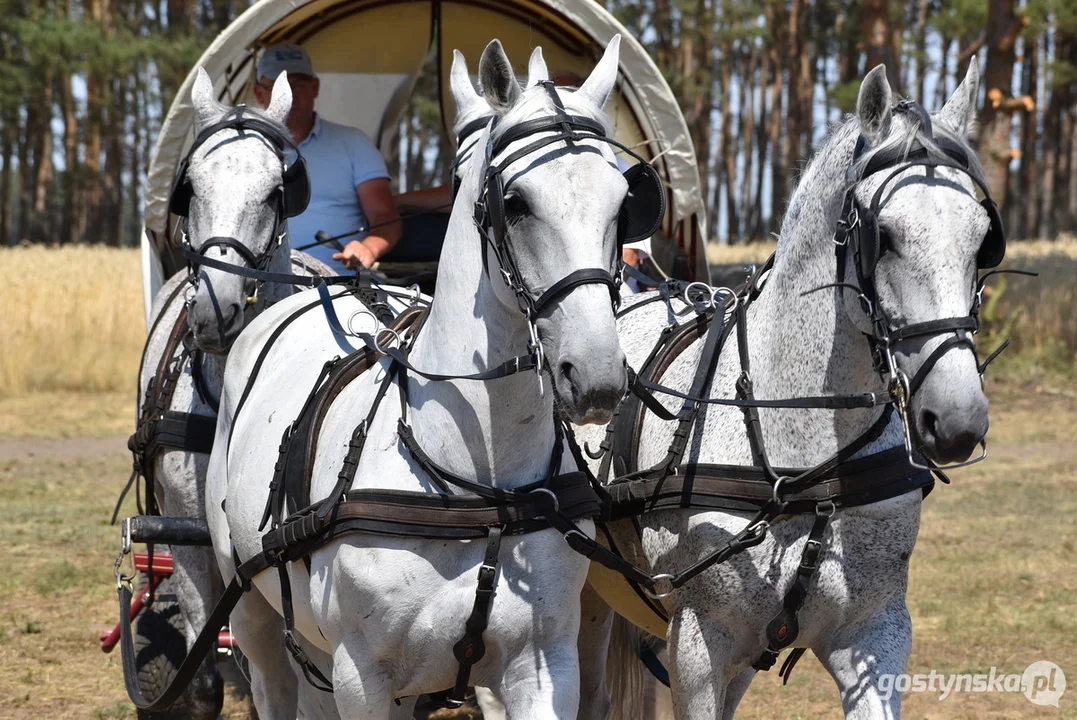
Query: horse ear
463 92
281 103
959 111
206 107
536 68
498 81
599 84
873 104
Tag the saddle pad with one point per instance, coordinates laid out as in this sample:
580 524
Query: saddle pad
623 596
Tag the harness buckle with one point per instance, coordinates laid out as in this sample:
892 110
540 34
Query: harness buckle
123 580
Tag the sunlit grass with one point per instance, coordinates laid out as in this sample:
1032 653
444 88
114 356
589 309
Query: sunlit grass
71 318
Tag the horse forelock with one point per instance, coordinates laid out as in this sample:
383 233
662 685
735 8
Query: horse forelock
536 98
907 132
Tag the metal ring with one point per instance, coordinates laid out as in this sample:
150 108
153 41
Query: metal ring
394 333
547 491
657 579
362 311
688 289
777 487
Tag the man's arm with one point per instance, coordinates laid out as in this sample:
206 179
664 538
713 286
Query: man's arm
435 199
378 207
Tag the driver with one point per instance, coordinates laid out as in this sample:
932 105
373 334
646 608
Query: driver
349 180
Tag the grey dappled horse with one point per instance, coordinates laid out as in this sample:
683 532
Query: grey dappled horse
233 178
855 618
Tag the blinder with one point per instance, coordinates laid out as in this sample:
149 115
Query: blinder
294 194
643 208
867 240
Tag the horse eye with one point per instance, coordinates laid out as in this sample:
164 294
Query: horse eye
516 207
886 244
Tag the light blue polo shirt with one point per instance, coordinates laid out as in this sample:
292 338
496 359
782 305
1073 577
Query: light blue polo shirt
339 158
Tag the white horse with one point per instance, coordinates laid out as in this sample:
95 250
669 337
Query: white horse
803 343
232 179
390 609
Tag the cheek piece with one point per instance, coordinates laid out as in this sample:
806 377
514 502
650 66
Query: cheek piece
858 232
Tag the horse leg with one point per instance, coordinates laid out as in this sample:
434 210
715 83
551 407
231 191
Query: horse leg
734 692
542 683
259 630
362 686
196 580
197 585
858 655
596 622
491 706
700 673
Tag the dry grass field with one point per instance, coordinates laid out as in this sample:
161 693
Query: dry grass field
993 580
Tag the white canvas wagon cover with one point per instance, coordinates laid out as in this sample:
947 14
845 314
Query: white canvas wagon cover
368 54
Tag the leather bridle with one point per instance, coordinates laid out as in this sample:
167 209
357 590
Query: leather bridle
857 233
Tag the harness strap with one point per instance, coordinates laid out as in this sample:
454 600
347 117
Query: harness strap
471 648
583 276
206 641
934 357
310 671
784 629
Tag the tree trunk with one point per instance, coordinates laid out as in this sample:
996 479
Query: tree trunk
940 86
134 220
921 50
26 174
747 132
1023 219
729 147
879 40
90 227
71 162
113 176
40 223
776 20
663 28
758 228
995 119
799 88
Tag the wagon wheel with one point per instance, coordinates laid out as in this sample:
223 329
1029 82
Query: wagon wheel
160 647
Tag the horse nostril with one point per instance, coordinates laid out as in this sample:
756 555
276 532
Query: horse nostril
929 423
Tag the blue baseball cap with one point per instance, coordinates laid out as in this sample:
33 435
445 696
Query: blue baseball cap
280 58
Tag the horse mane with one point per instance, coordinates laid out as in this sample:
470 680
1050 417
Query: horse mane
536 97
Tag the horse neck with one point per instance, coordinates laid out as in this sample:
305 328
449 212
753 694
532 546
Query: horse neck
498 431
803 345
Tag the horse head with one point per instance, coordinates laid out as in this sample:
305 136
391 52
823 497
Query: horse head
235 190
551 196
919 234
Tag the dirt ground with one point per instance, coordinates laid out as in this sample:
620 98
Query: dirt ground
993 581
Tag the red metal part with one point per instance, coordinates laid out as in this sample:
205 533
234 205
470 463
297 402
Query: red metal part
111 637
162 563
162 568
